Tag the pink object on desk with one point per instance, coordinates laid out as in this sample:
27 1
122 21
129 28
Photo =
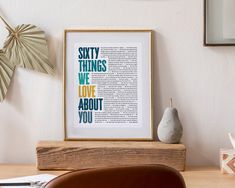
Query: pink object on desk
227 161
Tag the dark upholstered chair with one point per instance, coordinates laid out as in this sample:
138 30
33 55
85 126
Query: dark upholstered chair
148 176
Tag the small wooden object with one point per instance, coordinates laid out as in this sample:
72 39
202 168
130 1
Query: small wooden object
227 161
71 155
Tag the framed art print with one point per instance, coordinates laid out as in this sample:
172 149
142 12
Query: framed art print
219 25
108 84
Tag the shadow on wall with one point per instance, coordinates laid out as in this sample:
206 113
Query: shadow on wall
55 46
28 93
14 139
164 85
14 93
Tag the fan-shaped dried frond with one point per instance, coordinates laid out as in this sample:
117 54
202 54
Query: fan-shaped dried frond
26 46
6 73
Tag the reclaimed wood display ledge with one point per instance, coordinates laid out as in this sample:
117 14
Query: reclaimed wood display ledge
71 155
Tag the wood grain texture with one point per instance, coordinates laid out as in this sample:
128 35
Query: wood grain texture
70 155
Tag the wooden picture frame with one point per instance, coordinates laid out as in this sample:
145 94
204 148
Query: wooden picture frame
108 84
219 29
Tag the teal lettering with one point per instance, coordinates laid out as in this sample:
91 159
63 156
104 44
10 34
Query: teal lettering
83 78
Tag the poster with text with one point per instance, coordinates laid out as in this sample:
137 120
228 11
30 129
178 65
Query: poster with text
106 89
106 78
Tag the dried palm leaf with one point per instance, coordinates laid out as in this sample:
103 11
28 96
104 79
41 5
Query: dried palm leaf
26 46
6 73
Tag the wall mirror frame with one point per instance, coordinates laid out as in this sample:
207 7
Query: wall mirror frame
219 25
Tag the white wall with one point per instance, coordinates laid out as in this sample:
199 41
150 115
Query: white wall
200 80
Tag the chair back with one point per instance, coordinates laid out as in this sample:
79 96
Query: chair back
148 176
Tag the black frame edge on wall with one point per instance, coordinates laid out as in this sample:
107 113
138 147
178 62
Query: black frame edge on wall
205 43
